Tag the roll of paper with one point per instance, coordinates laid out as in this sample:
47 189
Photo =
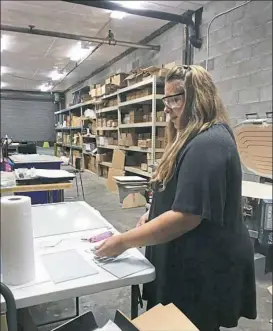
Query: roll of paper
17 249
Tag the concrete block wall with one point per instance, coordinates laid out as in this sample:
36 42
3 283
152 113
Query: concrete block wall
240 55
171 43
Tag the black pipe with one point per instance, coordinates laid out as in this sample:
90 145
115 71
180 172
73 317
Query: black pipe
185 18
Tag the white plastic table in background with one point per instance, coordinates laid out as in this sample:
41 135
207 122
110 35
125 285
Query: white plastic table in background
60 227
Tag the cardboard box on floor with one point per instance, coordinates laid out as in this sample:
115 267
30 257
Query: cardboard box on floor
159 318
117 169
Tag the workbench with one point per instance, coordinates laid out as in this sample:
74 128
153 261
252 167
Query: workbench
34 161
47 189
59 228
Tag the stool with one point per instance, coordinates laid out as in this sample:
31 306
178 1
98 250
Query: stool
76 172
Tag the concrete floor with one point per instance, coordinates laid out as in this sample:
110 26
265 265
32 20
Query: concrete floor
104 305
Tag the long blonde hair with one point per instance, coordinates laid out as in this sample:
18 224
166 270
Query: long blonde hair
202 108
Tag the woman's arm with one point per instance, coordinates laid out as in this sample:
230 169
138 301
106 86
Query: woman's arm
162 229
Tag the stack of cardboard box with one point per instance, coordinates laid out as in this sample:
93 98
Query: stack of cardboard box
160 116
128 139
91 163
105 157
109 122
76 121
144 140
117 80
138 93
161 138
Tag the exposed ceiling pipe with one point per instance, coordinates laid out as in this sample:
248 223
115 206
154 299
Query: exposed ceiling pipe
185 18
76 66
34 31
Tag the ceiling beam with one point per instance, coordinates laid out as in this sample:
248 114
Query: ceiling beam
184 18
54 34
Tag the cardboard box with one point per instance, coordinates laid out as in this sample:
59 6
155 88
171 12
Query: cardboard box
108 89
118 159
159 318
144 166
93 93
111 182
117 80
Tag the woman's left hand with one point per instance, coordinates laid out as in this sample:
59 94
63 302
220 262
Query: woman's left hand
111 247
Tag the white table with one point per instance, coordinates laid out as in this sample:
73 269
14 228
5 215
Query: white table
62 226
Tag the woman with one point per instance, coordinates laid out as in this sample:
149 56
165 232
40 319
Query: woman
194 233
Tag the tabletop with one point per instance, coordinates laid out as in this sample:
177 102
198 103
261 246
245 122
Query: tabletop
256 190
59 228
36 188
34 158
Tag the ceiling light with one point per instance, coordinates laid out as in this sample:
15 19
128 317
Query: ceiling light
45 87
3 84
118 14
4 70
56 75
4 42
130 4
79 52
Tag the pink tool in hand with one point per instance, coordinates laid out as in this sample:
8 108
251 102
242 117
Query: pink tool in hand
99 237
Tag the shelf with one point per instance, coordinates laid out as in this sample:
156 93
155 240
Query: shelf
76 147
107 129
144 82
89 136
107 109
109 96
69 128
79 105
136 149
141 150
141 125
138 171
106 164
141 100
108 147
88 153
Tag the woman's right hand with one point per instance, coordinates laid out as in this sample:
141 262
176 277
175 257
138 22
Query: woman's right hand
143 219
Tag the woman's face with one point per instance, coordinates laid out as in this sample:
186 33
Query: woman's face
174 102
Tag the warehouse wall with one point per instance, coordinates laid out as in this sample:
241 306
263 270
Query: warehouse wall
240 58
171 43
28 116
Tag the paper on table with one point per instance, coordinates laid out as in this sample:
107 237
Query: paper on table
124 265
67 265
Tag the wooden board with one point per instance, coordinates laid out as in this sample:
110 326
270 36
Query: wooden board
36 188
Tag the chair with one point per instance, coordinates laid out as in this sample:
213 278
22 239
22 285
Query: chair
10 307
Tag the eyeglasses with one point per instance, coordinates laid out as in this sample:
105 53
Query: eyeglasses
173 101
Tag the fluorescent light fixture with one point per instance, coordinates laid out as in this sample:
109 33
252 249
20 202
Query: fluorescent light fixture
118 15
45 87
131 4
56 75
78 52
4 42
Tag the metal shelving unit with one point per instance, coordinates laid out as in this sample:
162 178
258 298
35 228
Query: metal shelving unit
69 112
152 99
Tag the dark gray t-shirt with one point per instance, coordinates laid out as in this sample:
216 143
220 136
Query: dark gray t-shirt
208 272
